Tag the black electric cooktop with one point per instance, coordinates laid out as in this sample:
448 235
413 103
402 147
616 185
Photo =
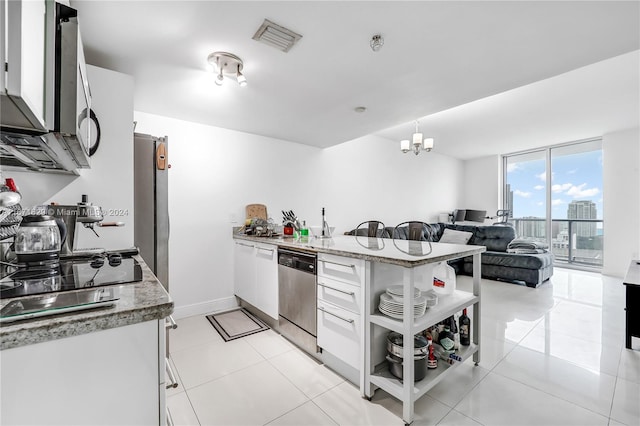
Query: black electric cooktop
68 275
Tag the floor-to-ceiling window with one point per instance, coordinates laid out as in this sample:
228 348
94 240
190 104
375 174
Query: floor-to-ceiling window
555 195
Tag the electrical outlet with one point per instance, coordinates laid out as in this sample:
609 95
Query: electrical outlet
233 218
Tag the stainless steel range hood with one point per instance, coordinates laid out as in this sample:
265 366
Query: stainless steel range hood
52 133
43 153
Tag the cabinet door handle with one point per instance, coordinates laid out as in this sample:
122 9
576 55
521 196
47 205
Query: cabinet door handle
339 264
264 249
172 377
246 245
171 324
349 320
350 293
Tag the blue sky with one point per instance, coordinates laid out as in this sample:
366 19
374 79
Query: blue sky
575 177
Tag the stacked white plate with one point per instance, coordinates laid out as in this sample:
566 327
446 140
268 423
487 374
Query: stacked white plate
392 302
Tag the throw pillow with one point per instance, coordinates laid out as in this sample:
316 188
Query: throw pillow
455 237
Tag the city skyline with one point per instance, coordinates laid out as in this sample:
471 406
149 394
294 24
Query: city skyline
576 177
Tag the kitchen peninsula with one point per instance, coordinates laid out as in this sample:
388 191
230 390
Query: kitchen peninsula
355 271
102 365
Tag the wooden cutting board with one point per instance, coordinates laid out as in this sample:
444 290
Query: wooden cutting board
256 210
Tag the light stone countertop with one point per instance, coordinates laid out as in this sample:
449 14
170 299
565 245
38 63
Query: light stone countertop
385 250
633 274
140 301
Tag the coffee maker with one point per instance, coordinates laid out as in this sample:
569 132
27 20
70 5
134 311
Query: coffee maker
83 212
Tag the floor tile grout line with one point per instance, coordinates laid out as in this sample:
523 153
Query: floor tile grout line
192 407
324 412
224 375
613 398
462 414
551 395
286 412
322 365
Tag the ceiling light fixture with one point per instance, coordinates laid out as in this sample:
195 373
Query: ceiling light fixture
376 42
227 64
417 143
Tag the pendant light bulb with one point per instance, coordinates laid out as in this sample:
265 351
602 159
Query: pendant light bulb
219 77
242 80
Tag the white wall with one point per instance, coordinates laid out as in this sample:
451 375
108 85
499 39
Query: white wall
370 178
621 204
482 185
216 172
109 181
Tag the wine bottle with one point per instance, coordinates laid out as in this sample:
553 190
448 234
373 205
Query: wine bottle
465 328
455 331
432 361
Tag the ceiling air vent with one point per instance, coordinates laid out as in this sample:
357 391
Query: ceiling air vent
276 36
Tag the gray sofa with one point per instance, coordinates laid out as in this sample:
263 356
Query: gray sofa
497 263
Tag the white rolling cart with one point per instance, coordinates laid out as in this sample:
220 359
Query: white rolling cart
416 273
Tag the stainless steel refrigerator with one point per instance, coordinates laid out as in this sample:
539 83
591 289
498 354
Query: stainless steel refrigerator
151 203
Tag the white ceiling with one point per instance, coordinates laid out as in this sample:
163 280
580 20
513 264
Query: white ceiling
436 56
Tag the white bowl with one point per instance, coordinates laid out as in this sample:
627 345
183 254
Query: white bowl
316 231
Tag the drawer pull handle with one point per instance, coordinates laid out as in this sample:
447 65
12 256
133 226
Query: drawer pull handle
171 324
264 249
246 245
339 264
349 320
350 293
172 377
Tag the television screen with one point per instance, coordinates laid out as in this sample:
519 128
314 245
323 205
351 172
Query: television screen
475 215
458 215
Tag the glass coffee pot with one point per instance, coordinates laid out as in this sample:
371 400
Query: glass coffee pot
38 240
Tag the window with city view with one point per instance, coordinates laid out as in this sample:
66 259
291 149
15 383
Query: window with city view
563 208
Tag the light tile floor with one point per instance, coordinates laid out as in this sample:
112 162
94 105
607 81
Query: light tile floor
553 355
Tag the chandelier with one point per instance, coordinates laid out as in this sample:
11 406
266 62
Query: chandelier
416 144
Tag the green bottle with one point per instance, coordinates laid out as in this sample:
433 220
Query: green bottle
304 231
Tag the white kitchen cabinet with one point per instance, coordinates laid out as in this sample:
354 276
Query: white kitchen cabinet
113 377
339 333
27 85
267 279
339 298
346 269
256 275
245 271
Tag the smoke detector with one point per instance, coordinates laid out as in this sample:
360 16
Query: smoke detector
276 36
376 42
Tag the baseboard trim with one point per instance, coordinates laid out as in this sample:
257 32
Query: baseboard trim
207 307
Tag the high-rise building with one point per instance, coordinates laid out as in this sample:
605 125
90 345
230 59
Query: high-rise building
583 210
531 227
508 200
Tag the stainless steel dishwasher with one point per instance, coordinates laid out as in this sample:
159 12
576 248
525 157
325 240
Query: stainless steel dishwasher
297 297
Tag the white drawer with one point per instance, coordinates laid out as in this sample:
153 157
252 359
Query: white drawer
340 294
339 333
346 269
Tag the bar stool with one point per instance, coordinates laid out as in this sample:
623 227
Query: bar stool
374 229
415 231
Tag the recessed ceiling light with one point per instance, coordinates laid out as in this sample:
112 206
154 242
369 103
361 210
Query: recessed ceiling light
360 109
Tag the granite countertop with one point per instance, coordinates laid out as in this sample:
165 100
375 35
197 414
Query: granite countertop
140 301
385 250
